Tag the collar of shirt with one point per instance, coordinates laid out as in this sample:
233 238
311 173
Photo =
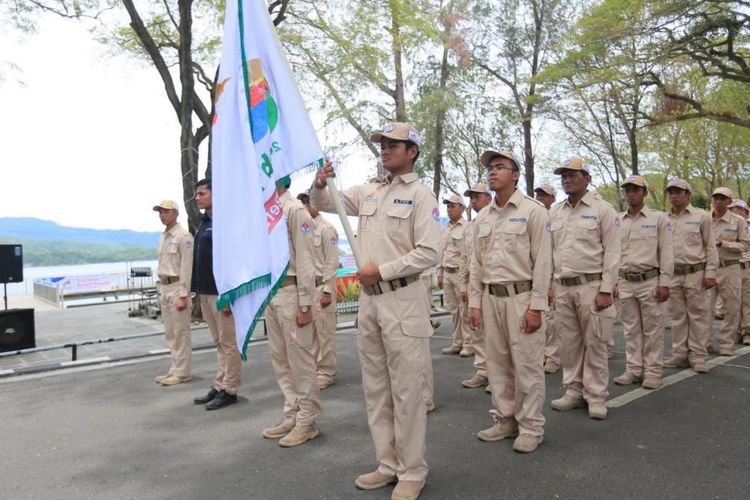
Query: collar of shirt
689 209
587 199
172 230
643 211
460 221
405 178
727 217
515 200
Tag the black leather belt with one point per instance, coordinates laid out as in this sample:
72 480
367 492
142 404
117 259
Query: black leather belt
642 276
581 280
509 290
318 281
680 270
450 269
729 262
168 280
381 287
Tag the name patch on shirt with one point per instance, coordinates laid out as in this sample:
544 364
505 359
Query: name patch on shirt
396 201
588 217
517 219
648 226
731 229
693 222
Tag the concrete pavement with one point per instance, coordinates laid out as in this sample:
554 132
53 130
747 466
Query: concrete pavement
110 432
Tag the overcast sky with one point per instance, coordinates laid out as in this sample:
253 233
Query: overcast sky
88 139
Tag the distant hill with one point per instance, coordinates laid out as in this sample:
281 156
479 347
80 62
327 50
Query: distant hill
47 243
28 228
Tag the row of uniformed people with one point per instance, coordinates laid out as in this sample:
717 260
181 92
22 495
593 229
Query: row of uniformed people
597 254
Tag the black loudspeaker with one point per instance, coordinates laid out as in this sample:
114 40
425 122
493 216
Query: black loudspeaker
11 263
17 330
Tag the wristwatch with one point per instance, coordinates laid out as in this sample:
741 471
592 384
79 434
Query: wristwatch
304 309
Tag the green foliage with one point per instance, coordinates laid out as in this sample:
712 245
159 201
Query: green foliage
55 253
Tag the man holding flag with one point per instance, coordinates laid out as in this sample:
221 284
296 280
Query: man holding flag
399 237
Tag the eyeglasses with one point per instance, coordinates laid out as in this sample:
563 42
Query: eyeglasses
490 168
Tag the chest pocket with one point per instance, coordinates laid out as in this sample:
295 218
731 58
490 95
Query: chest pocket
692 233
367 216
457 242
483 233
172 247
515 237
729 234
646 235
398 221
317 239
587 229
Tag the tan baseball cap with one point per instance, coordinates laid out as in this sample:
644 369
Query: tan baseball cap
455 199
546 188
679 184
399 131
722 191
738 204
166 204
572 163
635 180
492 153
479 187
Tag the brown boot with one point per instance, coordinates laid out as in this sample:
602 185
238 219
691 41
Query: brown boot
725 351
475 382
299 435
597 411
174 380
454 349
466 352
550 366
373 480
746 339
699 366
676 362
627 378
407 490
526 443
567 402
651 382
501 430
278 431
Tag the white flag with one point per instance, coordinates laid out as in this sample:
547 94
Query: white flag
261 133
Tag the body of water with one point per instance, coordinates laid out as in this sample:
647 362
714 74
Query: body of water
26 287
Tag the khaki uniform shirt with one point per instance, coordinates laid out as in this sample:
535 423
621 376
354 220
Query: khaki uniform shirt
692 239
398 223
511 244
176 257
452 245
731 229
647 243
586 239
300 227
463 270
326 241
746 253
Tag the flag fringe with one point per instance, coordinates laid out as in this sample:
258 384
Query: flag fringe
228 298
261 310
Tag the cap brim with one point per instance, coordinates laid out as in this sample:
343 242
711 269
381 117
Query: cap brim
491 153
378 136
676 187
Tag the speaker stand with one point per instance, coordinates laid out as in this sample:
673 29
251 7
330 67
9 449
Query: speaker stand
5 295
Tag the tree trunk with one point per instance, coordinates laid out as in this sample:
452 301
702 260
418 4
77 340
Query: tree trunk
188 144
397 64
439 127
528 156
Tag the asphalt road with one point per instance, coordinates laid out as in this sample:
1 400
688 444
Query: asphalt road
111 432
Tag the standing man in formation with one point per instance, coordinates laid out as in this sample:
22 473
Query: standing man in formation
695 263
546 194
739 207
645 278
399 237
289 317
586 256
479 197
731 239
453 247
223 392
326 242
510 275
175 268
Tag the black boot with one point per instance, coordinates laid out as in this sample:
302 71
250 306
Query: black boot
221 400
207 398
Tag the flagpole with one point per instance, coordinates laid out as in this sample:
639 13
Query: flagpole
353 243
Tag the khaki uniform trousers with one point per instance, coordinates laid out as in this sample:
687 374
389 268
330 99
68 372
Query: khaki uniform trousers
480 349
584 336
429 382
745 319
229 374
176 330
393 344
459 310
293 359
551 338
324 335
515 362
687 309
729 287
643 326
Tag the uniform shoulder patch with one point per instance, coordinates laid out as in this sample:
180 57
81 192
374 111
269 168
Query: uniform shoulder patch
305 227
436 214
